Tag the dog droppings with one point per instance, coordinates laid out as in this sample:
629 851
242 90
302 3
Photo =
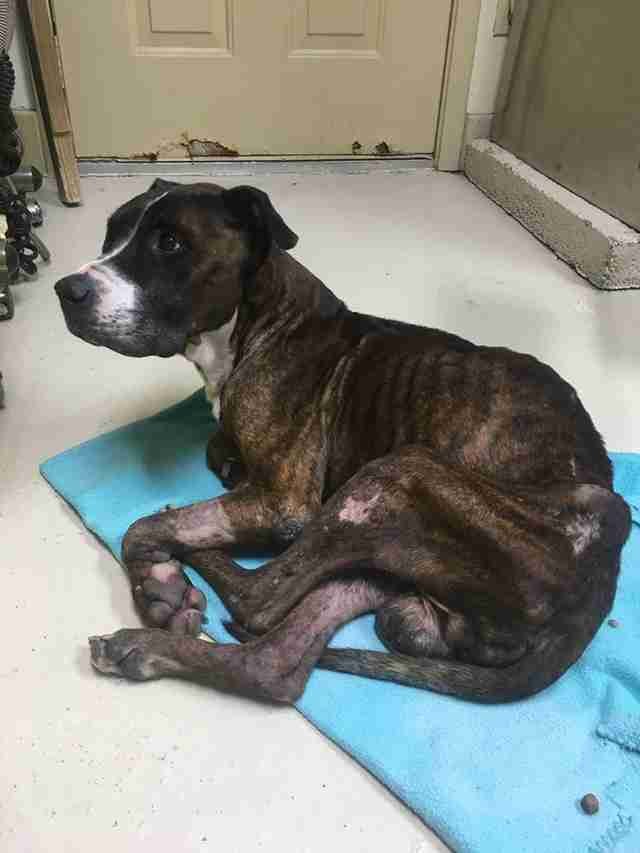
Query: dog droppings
590 804
613 623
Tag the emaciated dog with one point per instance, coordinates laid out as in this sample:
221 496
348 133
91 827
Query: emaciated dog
460 492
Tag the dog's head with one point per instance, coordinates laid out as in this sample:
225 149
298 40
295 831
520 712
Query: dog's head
175 262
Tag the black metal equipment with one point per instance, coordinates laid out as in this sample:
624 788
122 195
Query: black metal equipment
20 246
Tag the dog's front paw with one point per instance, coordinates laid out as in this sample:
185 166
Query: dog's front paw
166 599
134 654
161 590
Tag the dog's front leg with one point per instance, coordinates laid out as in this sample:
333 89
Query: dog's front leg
274 667
200 534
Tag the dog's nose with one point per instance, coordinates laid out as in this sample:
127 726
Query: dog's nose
73 288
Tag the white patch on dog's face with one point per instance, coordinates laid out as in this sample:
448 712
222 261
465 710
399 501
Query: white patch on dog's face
213 354
117 299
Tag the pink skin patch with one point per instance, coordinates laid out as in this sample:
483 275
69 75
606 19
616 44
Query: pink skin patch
204 525
164 572
357 511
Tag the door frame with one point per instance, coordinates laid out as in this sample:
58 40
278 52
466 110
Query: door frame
45 61
456 78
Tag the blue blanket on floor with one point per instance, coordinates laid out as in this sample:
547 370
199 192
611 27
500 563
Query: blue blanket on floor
487 779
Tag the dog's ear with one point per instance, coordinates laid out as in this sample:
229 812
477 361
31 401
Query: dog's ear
252 209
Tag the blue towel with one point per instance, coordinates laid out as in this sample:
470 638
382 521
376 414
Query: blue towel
487 779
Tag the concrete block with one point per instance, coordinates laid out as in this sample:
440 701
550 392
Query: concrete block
601 248
476 126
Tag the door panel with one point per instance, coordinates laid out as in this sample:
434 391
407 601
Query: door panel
352 28
335 17
166 16
165 28
283 77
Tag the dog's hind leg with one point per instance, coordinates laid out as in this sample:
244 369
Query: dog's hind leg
274 667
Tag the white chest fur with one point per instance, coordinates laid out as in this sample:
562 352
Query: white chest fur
213 354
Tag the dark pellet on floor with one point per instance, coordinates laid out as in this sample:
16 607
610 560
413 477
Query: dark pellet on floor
590 804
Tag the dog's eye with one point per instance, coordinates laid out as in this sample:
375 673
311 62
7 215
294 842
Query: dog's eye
169 244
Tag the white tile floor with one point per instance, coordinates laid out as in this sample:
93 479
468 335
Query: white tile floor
99 764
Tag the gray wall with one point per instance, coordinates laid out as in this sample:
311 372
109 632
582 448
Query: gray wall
571 104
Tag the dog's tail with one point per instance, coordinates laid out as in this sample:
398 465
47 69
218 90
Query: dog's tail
536 670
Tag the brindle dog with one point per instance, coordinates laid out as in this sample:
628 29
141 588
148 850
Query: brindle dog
459 491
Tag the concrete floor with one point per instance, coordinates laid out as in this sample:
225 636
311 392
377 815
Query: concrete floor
167 766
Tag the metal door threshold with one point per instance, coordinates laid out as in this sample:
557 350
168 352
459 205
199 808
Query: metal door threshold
255 166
